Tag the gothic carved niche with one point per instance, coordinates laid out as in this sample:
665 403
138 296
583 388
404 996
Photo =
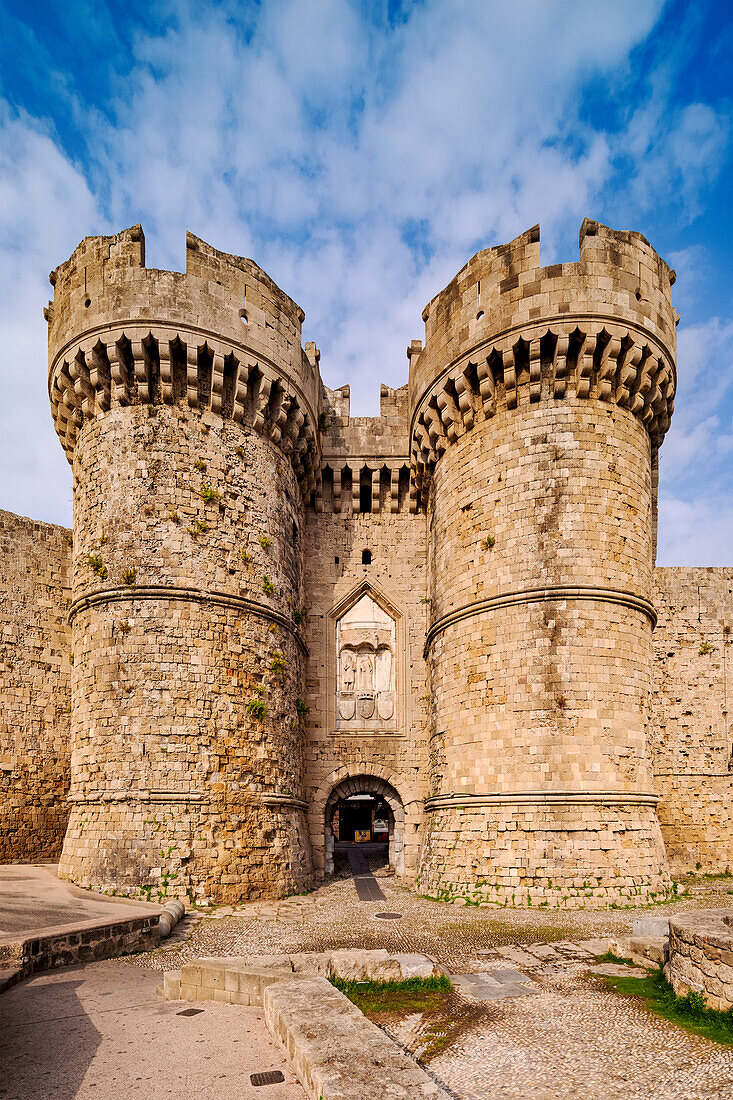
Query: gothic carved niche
366 657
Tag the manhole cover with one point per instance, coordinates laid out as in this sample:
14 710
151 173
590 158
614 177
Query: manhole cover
388 916
190 1012
269 1077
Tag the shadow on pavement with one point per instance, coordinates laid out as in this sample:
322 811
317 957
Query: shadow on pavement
47 1041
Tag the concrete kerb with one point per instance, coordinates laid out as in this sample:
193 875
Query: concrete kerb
85 941
335 1051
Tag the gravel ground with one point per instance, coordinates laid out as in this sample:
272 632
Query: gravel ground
574 1038
333 916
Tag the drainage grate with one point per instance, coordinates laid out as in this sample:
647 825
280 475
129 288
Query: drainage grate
269 1077
388 916
189 1012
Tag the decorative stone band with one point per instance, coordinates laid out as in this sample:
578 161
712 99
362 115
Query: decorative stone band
149 363
197 595
541 798
197 798
595 357
539 595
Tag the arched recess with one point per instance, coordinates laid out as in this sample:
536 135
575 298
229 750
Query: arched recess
406 807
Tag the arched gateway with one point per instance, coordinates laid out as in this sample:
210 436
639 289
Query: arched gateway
365 810
377 797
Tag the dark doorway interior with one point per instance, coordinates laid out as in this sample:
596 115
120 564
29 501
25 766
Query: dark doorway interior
362 822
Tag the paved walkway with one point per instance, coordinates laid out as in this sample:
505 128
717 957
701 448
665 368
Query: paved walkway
367 887
530 1020
32 897
100 1032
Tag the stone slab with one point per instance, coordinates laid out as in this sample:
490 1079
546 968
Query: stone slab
336 1052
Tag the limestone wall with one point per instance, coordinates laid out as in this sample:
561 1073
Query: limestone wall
182 623
34 687
189 411
701 956
372 517
536 409
691 723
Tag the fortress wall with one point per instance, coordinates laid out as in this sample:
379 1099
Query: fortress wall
619 276
692 709
189 411
174 636
105 283
395 750
536 409
34 687
397 543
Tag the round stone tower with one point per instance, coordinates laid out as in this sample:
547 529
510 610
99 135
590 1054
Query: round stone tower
189 412
537 408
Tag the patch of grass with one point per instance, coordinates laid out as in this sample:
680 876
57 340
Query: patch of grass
609 957
97 566
257 708
412 995
690 1012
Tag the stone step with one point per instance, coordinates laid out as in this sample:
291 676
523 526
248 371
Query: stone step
243 980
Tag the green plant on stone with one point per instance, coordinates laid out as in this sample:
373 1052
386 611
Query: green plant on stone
267 586
207 494
174 517
301 709
199 465
257 708
278 664
488 543
245 557
129 576
706 648
264 541
97 566
198 528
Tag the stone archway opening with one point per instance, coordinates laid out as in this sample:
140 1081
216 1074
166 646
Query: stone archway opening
367 813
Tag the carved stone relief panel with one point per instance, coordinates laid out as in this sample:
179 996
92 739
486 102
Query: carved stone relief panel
366 651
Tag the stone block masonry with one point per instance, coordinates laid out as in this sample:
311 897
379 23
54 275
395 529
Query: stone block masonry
35 667
701 956
691 727
450 609
192 451
536 407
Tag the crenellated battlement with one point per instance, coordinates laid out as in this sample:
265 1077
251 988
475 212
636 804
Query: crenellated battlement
221 338
506 332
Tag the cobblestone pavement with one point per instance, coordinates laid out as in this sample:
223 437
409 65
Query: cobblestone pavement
572 1038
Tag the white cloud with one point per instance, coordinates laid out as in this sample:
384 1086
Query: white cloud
45 209
695 532
317 140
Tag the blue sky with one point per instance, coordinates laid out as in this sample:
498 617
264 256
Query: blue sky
361 153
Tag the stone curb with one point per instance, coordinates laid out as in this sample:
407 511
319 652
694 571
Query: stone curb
66 945
242 981
701 955
335 1051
